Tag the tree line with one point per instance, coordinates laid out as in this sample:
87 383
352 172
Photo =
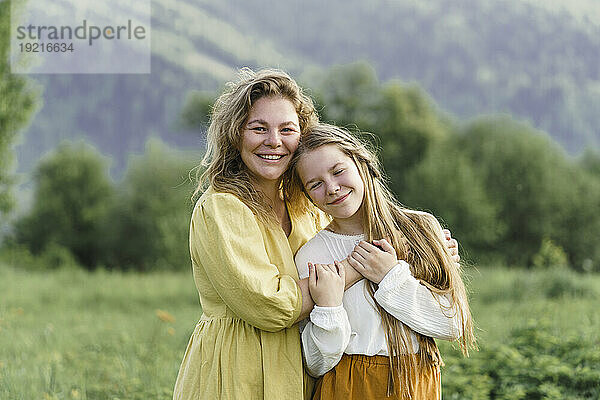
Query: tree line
509 193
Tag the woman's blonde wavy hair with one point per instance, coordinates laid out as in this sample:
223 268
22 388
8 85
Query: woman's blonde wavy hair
225 171
417 238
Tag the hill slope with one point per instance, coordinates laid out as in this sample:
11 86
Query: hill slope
529 59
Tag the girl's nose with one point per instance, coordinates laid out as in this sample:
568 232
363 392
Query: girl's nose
333 188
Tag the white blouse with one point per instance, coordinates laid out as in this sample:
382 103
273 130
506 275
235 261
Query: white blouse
356 327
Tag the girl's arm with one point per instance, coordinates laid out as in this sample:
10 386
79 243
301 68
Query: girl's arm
403 296
425 312
324 339
326 335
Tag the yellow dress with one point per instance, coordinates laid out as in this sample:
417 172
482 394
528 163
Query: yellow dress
245 345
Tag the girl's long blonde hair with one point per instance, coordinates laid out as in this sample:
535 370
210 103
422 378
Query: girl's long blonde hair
225 170
417 238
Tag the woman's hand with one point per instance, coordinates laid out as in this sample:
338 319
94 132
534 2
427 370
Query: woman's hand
452 246
326 283
373 261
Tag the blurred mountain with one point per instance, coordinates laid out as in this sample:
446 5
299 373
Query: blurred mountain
538 61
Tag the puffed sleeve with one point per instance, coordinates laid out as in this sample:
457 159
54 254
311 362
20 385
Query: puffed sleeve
326 334
404 297
226 240
324 339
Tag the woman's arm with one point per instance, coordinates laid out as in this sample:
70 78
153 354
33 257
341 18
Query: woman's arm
225 241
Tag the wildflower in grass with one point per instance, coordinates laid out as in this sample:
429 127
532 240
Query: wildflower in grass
171 331
164 316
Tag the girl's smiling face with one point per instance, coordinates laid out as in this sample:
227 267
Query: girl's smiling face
332 181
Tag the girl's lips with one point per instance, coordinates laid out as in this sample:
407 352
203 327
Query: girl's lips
339 199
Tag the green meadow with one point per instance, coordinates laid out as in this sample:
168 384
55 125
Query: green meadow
72 334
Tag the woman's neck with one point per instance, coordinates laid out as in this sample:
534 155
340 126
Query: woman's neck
271 191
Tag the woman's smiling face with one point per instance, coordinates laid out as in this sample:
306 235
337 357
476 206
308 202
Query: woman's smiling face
269 139
332 181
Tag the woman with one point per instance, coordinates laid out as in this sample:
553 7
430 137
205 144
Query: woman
243 237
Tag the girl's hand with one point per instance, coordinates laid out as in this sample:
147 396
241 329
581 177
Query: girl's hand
326 283
373 262
452 246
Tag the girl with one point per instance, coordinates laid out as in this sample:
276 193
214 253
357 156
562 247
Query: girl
377 340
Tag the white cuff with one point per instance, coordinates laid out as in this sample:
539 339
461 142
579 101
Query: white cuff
395 277
327 317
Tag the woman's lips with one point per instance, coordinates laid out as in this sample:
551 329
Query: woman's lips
271 157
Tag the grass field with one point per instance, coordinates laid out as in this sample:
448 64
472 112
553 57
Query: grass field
70 334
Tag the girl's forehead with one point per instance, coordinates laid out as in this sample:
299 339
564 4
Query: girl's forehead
322 158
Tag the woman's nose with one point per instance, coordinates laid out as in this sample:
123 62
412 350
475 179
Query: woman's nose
273 139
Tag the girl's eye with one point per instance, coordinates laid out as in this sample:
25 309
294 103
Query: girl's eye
339 171
315 185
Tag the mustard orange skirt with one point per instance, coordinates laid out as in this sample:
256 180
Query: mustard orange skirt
366 377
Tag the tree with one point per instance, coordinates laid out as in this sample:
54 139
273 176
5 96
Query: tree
73 195
527 177
17 103
402 117
150 219
447 184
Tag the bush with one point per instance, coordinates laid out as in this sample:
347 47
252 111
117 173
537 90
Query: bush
53 257
532 364
550 256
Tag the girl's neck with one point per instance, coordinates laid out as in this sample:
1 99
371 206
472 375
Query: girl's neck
347 226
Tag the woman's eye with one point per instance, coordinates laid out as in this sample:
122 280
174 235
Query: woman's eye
258 129
288 130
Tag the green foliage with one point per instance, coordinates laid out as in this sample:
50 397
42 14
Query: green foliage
73 196
402 117
17 103
141 223
547 284
534 363
550 256
74 334
447 184
149 222
528 178
590 161
53 257
196 110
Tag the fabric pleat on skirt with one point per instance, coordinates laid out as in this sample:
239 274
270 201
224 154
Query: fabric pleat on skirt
366 377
